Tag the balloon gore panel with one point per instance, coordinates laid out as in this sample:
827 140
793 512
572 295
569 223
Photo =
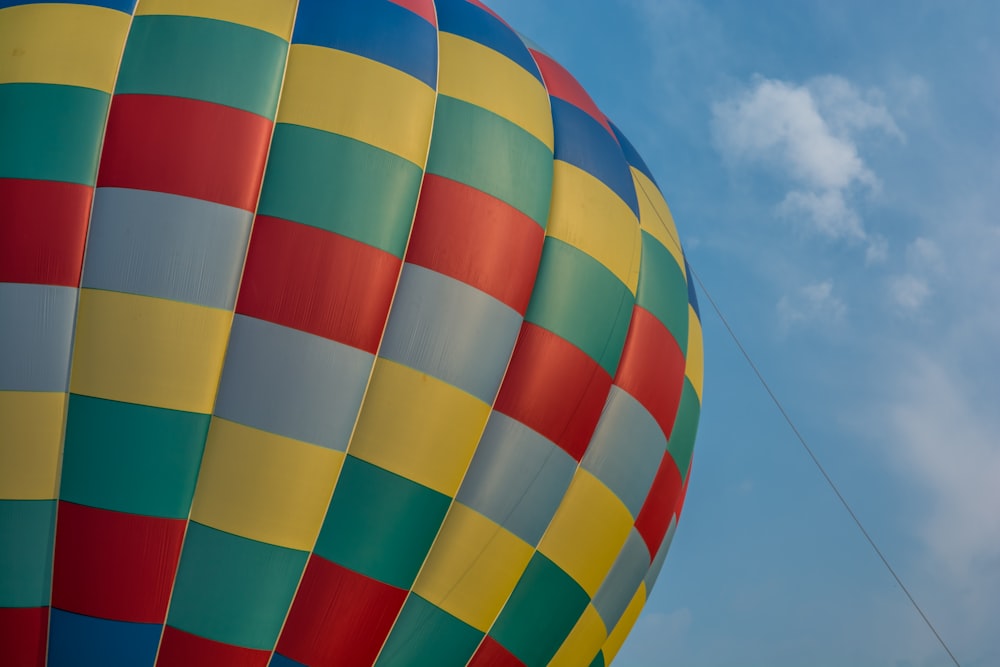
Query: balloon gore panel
331 332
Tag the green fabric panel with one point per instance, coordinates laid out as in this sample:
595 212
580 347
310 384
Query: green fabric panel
380 524
541 612
342 185
681 442
598 660
577 298
204 59
132 458
51 132
427 636
232 589
27 529
488 152
663 291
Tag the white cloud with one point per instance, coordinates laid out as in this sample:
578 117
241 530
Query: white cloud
950 444
808 134
908 292
847 110
939 422
925 254
828 211
781 123
877 251
811 304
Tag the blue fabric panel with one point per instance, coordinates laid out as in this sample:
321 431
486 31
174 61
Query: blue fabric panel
517 478
292 383
36 336
584 143
623 580
631 154
166 246
692 293
376 29
83 641
451 331
626 449
278 660
467 20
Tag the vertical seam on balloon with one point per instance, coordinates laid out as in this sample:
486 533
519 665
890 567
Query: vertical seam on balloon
76 315
578 466
674 516
452 500
375 357
499 527
637 239
211 414
392 302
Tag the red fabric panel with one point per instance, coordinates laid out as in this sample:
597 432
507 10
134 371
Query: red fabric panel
422 8
181 649
492 654
43 228
23 634
652 368
339 617
656 513
561 84
185 147
555 388
317 281
114 565
477 239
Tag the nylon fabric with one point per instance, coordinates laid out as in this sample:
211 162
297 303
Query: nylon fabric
331 332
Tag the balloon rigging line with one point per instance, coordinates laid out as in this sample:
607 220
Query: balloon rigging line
802 441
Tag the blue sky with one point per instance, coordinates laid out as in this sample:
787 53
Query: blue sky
834 171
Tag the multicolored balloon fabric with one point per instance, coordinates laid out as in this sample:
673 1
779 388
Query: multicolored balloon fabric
332 332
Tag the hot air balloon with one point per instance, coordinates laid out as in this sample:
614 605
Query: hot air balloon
332 332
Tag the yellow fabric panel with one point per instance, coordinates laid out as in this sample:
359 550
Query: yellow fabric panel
583 642
588 215
695 366
587 532
473 567
273 16
419 427
72 45
30 444
655 217
476 73
139 349
389 108
264 486
625 623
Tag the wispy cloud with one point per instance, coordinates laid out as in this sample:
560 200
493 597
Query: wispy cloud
909 291
939 423
877 251
808 134
815 304
952 449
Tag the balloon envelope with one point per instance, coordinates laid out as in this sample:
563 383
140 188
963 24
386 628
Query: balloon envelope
331 333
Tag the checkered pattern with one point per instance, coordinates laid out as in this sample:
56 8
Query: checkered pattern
331 332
